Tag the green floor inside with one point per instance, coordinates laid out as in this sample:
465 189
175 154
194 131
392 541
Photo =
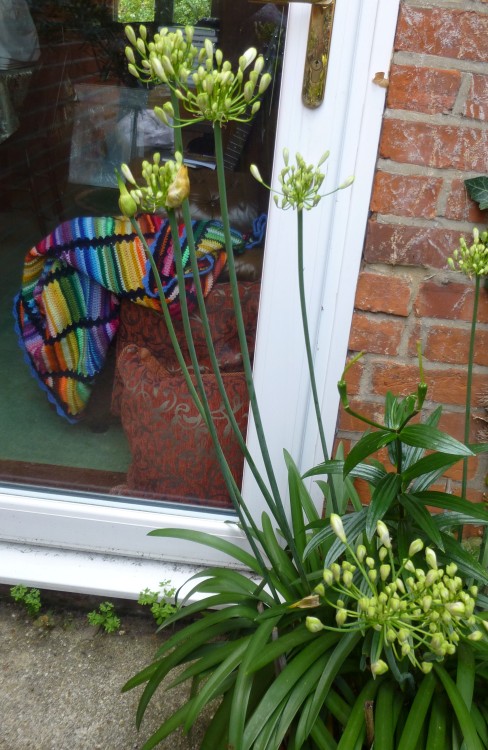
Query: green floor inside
30 429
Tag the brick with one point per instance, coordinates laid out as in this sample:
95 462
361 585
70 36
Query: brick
452 422
426 90
452 301
405 195
409 246
353 377
445 386
432 145
476 105
370 409
383 293
460 207
377 335
460 34
451 345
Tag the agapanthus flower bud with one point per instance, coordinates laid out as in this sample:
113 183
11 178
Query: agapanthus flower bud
383 534
426 667
313 624
430 558
416 546
341 617
337 527
328 577
379 667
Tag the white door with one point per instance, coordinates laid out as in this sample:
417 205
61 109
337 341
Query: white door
63 540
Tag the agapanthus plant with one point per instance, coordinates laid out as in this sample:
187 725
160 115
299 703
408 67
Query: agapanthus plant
277 683
411 609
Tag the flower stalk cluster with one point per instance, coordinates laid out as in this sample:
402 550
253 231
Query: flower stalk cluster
166 186
419 612
166 58
300 183
213 91
471 260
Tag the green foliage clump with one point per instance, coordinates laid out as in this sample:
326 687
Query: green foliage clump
105 617
30 598
161 607
191 11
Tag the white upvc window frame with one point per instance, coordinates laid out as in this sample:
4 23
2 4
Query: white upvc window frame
66 542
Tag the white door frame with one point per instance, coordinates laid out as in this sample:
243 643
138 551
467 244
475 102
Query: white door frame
66 542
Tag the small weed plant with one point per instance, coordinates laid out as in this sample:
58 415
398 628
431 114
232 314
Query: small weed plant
105 618
159 601
30 598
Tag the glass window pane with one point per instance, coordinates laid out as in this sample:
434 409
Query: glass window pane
93 400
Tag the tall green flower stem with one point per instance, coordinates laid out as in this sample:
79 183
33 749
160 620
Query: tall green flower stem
471 260
469 383
241 331
306 336
206 327
201 403
273 499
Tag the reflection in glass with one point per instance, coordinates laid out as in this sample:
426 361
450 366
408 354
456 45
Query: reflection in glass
77 114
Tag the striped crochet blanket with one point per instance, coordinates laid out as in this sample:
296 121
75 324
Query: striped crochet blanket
67 311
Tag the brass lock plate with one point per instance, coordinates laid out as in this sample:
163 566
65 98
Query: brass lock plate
317 56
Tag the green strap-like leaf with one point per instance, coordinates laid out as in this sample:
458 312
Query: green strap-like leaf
244 682
417 714
466 723
353 523
463 559
371 474
453 502
366 446
334 663
306 501
355 725
208 691
383 496
300 665
429 464
209 540
423 518
425 436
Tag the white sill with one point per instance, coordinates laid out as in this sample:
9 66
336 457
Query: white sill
111 576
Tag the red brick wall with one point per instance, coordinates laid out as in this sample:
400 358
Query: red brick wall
435 135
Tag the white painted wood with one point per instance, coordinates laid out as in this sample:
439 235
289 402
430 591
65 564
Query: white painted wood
49 532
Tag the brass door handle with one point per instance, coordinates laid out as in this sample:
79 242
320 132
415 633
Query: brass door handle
317 56
318 46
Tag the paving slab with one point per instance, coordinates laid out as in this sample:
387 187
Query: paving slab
61 679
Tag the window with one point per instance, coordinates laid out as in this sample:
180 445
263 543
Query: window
68 518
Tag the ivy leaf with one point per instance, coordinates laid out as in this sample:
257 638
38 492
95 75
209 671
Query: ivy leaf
477 188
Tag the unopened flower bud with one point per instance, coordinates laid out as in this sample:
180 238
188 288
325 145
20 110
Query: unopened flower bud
361 552
328 577
384 534
384 571
341 617
379 667
131 35
416 546
431 558
337 527
313 624
426 667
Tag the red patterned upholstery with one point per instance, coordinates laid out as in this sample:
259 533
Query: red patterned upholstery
172 454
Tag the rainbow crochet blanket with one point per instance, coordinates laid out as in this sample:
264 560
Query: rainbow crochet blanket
67 311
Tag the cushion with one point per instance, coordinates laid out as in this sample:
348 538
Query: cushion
147 329
173 458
